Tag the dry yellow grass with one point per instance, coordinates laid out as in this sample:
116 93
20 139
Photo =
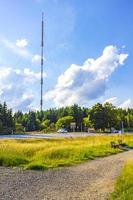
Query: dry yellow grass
47 153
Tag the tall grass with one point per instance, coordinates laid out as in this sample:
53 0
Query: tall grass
124 184
49 153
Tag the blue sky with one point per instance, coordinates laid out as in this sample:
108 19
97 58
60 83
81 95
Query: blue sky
75 31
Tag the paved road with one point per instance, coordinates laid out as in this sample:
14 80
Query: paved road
93 180
51 135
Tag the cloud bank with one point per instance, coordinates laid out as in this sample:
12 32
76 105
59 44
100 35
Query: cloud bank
79 84
16 87
112 100
124 105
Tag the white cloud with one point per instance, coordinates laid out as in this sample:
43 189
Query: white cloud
36 58
17 86
21 43
31 76
79 84
20 49
25 103
126 104
16 49
112 100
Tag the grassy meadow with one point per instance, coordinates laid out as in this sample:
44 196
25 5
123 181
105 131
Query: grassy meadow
50 153
124 184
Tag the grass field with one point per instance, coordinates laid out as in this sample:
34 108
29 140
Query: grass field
49 153
124 184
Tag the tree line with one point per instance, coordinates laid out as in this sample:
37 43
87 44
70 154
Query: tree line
99 118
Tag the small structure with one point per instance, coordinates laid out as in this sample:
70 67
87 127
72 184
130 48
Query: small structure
73 126
120 145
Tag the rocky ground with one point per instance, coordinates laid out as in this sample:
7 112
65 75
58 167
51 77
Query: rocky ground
93 180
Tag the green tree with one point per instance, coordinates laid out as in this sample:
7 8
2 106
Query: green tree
30 126
45 124
64 122
19 128
78 115
87 123
97 116
104 116
110 117
7 123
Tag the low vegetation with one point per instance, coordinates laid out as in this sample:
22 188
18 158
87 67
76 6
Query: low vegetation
124 184
49 153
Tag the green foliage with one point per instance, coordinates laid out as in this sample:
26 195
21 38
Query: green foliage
78 114
100 117
103 116
87 122
45 124
53 115
64 122
28 120
18 116
49 153
31 122
19 128
8 159
124 184
50 129
7 123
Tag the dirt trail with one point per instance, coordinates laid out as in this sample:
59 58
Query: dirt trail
93 180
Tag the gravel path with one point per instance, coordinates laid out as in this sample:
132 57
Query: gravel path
93 180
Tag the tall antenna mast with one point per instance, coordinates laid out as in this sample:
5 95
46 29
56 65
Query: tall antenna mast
42 45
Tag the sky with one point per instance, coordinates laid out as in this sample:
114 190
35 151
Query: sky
88 53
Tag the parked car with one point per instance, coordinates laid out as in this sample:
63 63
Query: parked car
62 130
